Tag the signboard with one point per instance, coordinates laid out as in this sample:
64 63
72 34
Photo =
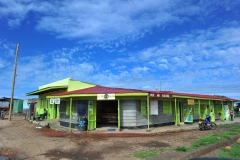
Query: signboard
190 102
107 96
57 100
160 95
188 114
54 100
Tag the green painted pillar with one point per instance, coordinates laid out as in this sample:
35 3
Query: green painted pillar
58 110
176 113
47 110
199 109
209 103
148 110
222 112
70 121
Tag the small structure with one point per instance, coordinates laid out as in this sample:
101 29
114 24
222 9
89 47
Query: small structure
18 106
5 103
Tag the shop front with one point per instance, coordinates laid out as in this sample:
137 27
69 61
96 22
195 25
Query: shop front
126 108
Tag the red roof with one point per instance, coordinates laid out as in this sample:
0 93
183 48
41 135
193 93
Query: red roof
104 90
201 96
99 90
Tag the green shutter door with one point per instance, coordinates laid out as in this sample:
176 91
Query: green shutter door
143 107
91 115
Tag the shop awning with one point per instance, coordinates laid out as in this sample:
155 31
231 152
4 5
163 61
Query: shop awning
47 90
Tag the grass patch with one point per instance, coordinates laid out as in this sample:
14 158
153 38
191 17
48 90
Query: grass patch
228 131
146 154
182 149
233 153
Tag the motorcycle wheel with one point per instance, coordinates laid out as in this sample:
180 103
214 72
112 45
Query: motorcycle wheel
199 127
213 126
202 126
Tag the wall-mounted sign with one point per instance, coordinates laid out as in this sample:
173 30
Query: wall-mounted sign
107 96
160 95
54 100
190 102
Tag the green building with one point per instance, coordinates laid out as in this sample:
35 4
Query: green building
69 100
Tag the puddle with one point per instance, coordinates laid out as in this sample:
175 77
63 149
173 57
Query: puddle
4 158
111 130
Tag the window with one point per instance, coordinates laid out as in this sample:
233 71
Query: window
154 107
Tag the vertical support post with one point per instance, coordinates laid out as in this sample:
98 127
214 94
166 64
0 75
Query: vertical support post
148 110
199 108
209 107
176 113
222 112
46 107
70 121
58 110
119 123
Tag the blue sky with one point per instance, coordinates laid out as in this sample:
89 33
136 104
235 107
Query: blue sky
182 46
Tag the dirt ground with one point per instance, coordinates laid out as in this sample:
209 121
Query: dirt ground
20 139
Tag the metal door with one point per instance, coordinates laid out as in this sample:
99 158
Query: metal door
91 115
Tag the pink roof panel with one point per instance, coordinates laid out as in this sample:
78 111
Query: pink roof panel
99 90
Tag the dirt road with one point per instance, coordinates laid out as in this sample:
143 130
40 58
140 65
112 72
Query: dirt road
22 140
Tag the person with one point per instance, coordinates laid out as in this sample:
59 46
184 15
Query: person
231 114
2 113
208 119
44 114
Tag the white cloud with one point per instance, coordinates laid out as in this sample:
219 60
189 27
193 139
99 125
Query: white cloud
199 57
140 69
102 21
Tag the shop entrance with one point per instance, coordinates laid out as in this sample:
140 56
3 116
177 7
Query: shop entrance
107 113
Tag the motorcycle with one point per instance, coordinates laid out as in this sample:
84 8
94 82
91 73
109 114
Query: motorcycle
203 125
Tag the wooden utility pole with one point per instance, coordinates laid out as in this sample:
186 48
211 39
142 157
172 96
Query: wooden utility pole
13 83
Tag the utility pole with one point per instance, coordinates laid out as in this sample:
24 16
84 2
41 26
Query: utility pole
13 83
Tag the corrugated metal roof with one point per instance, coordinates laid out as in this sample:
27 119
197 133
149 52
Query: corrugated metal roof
100 90
46 90
6 99
201 96
104 90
